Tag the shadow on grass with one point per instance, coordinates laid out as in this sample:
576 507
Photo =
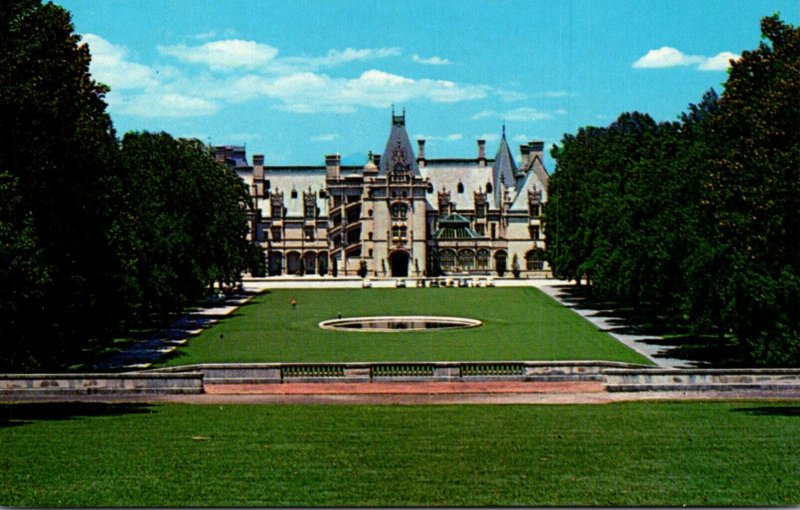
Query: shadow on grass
793 411
672 335
13 415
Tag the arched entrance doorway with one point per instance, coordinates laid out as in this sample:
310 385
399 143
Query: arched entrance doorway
292 263
275 263
310 260
500 258
399 263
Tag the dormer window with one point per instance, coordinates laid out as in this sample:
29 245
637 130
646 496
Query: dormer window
309 204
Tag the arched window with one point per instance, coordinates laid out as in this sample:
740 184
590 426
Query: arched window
460 187
294 193
466 260
489 187
447 259
500 258
483 259
533 260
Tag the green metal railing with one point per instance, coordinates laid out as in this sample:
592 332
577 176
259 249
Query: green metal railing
483 369
312 371
395 370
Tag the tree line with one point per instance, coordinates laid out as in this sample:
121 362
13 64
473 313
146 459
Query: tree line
699 218
97 235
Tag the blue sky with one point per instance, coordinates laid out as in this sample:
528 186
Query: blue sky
296 80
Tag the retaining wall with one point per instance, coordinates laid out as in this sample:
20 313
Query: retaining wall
266 373
21 385
773 379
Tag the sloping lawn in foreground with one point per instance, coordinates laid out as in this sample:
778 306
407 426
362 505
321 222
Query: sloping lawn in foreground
519 324
640 454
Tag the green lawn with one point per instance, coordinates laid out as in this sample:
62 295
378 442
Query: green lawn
519 324
640 454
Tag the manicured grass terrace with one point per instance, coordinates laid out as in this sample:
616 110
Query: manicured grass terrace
520 323
640 454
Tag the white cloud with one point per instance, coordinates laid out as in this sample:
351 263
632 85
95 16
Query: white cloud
327 137
522 114
110 66
489 137
667 56
433 61
334 58
553 94
510 95
719 62
168 105
225 54
311 92
182 91
452 137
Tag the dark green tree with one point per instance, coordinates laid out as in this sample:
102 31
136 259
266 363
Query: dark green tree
58 154
187 217
751 200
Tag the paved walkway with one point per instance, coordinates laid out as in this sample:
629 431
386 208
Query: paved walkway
646 345
140 355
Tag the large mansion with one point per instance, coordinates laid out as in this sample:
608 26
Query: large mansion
400 214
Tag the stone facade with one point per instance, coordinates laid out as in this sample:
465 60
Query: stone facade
401 214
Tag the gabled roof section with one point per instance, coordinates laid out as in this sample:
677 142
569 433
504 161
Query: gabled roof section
455 226
454 219
504 170
399 144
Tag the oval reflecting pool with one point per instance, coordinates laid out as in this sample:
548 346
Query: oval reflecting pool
394 324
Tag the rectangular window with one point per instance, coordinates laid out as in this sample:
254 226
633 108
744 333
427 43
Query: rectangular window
276 234
534 231
480 228
494 230
399 232
311 210
309 231
277 210
535 209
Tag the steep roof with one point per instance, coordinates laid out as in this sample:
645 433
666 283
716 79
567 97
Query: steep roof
447 174
398 141
504 168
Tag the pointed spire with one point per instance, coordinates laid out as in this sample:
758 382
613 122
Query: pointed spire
504 169
398 148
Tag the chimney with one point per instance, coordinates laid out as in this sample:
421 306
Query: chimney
219 154
525 150
332 166
537 149
258 160
421 153
482 152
